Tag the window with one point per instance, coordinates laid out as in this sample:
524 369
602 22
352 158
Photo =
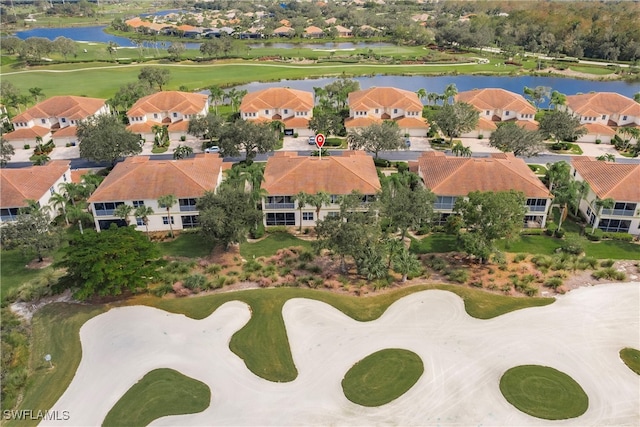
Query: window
377 110
395 111
333 214
52 190
307 216
604 117
368 198
106 208
286 111
63 120
64 177
187 205
266 111
175 115
624 117
43 121
487 113
621 209
10 214
138 203
335 198
139 222
506 113
614 225
279 202
189 221
155 115
165 220
537 205
281 218
444 202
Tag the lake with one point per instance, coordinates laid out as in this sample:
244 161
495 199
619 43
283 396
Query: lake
464 83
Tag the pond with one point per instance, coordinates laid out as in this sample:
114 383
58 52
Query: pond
463 83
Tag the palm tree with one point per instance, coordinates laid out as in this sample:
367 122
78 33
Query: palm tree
235 96
581 191
602 204
277 126
422 94
40 159
406 263
79 214
161 133
217 96
557 98
302 198
167 201
460 150
254 174
607 158
318 200
71 190
144 212
91 181
636 97
393 246
557 172
433 97
182 151
57 200
36 93
449 92
123 211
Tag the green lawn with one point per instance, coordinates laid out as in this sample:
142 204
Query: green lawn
190 245
13 272
543 245
573 149
382 377
159 393
599 71
56 329
613 249
631 358
434 243
271 244
544 392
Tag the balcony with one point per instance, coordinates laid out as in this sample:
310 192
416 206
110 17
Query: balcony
443 206
105 212
618 212
279 205
537 208
187 208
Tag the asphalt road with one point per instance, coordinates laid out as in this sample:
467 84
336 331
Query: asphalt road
543 159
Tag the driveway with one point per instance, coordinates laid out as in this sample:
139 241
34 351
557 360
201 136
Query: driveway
579 334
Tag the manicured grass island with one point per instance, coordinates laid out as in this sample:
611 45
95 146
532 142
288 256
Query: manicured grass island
159 393
382 377
631 358
544 392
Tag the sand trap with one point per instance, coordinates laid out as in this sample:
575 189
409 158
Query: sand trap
580 334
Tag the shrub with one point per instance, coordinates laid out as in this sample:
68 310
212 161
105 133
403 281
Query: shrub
162 289
500 259
480 136
520 257
551 229
402 167
315 269
553 282
596 235
295 135
458 276
26 146
598 141
213 269
305 256
625 237
607 263
183 138
587 262
195 282
382 163
542 261
532 232
559 233
437 264
609 273
530 291
572 245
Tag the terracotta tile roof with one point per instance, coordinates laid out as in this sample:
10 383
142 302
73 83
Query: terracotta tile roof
598 129
618 181
486 124
277 97
138 178
341 29
313 30
330 21
384 97
594 104
296 122
412 122
24 133
30 183
174 101
76 174
66 131
70 107
529 125
458 176
496 99
358 122
287 173
283 30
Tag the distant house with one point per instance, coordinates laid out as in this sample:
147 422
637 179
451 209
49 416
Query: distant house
496 106
292 107
343 31
330 21
138 181
173 109
54 119
284 31
607 180
452 177
148 27
313 32
376 104
601 113
36 183
287 174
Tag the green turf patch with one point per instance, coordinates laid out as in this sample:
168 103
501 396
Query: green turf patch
544 392
190 245
270 245
434 243
631 358
382 377
160 393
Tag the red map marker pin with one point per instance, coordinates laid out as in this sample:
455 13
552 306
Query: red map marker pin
320 140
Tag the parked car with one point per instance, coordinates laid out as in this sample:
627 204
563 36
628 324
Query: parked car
212 149
312 140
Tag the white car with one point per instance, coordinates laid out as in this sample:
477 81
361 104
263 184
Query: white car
212 149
